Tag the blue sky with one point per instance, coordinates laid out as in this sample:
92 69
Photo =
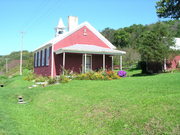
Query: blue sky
38 18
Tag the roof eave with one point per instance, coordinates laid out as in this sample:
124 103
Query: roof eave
89 52
43 47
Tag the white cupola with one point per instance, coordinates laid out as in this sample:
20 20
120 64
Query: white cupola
60 29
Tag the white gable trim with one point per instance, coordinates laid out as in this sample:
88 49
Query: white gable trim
98 34
63 36
46 45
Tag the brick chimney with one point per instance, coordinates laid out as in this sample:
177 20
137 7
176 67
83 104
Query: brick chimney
72 22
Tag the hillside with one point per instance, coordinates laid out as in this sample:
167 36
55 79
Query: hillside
146 105
124 38
13 62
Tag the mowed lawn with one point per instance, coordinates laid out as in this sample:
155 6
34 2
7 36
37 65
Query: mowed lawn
148 105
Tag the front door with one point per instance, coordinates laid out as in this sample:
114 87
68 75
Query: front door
88 63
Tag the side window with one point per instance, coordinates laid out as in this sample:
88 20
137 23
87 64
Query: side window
39 59
35 61
43 57
45 52
47 56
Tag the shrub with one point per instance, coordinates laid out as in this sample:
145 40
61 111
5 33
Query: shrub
40 79
112 75
82 77
51 80
101 75
63 79
29 77
3 79
122 73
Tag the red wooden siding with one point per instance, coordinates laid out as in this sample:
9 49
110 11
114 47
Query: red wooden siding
97 62
78 37
173 63
58 59
44 70
72 62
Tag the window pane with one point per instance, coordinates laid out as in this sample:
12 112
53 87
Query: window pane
47 57
39 59
34 59
43 57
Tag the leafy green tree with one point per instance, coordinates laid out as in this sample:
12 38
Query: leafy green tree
168 8
154 48
121 38
29 62
109 34
154 45
135 31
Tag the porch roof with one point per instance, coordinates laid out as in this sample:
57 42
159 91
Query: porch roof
89 49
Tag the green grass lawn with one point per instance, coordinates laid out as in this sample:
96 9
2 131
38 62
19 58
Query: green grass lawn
147 105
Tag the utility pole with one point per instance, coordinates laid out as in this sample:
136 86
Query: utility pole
22 36
6 65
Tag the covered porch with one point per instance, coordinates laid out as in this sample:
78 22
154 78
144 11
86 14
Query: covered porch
83 58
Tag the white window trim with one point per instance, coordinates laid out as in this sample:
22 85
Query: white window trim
83 68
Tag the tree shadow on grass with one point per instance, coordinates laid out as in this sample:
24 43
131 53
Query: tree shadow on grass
143 74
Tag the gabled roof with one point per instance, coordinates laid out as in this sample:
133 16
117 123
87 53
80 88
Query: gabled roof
92 49
63 36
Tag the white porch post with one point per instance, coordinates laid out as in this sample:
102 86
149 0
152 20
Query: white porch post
85 62
104 62
120 62
64 58
112 64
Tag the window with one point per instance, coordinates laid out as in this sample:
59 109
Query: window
43 54
37 56
39 59
47 56
35 59
88 63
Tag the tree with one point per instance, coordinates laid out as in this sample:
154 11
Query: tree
121 38
168 8
109 34
130 60
154 48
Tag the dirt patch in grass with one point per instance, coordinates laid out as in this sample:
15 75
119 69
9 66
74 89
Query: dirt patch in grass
154 126
176 130
157 126
101 113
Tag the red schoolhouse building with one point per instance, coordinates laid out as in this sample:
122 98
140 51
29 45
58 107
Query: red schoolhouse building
81 49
